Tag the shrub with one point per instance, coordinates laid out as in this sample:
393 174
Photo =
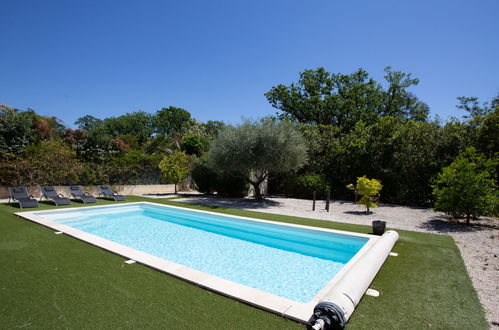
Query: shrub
313 182
203 176
368 189
209 181
466 188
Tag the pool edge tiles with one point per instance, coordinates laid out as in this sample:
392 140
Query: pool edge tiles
283 306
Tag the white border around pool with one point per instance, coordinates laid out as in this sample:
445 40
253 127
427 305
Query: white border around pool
285 307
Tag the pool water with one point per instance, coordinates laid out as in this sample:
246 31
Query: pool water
290 262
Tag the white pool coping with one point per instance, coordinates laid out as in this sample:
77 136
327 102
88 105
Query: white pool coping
282 306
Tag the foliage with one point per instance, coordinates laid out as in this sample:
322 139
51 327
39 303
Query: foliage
255 148
368 189
134 167
341 100
95 145
313 182
466 188
208 180
212 127
231 185
15 130
44 164
88 122
203 176
174 168
172 121
194 145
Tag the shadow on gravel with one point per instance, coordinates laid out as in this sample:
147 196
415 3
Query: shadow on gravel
443 225
358 212
235 203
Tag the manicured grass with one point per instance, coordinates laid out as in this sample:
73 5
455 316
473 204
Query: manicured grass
55 281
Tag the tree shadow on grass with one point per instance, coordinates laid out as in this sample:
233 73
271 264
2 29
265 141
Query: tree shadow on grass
444 225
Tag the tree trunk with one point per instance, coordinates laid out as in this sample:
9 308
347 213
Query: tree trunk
175 185
256 187
468 216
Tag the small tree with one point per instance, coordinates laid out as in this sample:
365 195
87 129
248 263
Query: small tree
466 188
368 189
174 168
255 148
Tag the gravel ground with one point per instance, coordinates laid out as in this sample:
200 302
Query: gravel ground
478 243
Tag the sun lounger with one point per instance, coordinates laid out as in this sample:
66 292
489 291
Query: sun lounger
49 192
106 191
77 192
20 194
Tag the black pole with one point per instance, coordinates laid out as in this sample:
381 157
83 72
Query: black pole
327 200
313 205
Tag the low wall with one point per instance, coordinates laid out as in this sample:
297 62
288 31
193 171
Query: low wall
122 189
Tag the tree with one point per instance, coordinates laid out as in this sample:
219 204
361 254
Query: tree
88 122
467 188
15 130
194 145
174 168
137 123
368 189
172 121
341 100
255 148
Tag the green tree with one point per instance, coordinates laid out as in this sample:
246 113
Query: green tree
368 189
172 121
467 188
341 100
139 124
255 148
15 130
88 122
194 145
175 168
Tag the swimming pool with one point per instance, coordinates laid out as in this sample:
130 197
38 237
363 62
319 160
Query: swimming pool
281 267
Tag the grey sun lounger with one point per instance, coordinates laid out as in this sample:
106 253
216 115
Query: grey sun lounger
106 191
20 194
49 192
77 192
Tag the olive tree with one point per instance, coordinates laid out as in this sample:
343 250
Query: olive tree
256 147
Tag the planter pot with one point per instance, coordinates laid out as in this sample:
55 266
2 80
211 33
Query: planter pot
379 227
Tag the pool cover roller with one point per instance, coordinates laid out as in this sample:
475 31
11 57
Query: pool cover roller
336 307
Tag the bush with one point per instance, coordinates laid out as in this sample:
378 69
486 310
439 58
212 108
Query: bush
368 189
466 188
204 177
314 182
45 164
231 185
209 181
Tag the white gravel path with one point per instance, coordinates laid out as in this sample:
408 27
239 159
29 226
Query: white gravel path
478 243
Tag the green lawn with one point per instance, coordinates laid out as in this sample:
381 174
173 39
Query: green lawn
54 281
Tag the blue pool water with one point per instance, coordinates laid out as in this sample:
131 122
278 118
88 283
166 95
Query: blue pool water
289 262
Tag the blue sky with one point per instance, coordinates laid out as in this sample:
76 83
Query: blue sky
216 59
